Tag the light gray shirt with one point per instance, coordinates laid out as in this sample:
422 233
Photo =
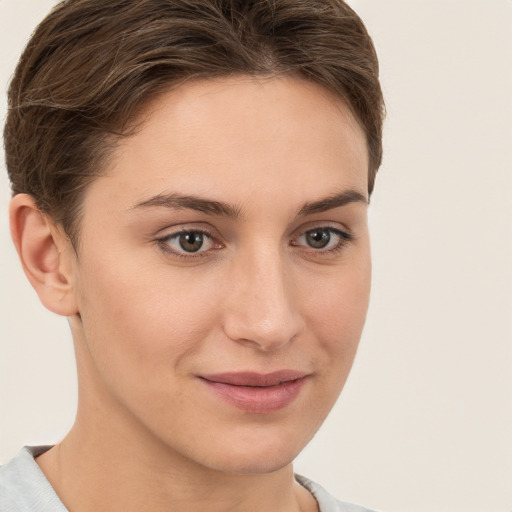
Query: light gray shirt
24 488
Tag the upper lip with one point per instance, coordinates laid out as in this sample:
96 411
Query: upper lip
254 378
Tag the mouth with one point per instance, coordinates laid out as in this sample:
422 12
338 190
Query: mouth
254 392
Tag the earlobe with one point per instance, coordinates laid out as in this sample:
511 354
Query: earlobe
45 254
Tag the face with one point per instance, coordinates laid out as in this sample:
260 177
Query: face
223 272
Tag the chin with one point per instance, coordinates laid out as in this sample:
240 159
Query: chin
251 464
265 452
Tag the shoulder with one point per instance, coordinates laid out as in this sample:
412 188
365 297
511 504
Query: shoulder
23 486
327 502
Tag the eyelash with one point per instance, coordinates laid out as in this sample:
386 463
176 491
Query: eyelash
345 238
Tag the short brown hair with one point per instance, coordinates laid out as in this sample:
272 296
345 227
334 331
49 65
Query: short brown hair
91 65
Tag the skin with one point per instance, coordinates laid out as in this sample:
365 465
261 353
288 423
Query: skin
147 322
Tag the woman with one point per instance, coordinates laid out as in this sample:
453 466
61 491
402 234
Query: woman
190 186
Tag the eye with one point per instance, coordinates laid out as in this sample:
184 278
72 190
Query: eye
187 242
190 241
318 238
323 239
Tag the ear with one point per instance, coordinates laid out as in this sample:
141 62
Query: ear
46 255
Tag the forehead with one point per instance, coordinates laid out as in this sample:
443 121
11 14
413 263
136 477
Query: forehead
240 137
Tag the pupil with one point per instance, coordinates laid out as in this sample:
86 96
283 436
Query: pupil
318 238
191 242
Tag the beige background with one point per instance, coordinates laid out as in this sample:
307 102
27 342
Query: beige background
425 422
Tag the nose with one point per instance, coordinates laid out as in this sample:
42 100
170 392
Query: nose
261 308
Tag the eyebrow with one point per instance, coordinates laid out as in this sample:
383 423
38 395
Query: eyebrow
222 209
191 202
331 202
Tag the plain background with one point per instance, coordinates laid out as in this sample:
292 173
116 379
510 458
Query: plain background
425 421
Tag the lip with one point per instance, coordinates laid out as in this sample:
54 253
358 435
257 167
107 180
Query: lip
256 392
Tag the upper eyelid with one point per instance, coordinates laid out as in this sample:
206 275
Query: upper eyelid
170 231
322 222
181 231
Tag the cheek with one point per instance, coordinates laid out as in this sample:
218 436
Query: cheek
334 313
137 320
336 310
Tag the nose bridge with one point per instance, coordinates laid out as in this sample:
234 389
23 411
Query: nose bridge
262 311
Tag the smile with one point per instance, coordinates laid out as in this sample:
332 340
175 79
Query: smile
257 393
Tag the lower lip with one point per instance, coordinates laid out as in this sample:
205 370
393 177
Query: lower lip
259 400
